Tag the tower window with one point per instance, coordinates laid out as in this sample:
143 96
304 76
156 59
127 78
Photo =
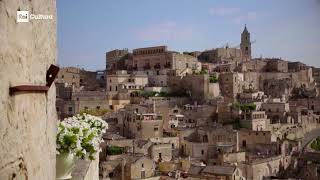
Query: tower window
247 48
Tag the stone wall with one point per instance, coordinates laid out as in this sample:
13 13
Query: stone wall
28 120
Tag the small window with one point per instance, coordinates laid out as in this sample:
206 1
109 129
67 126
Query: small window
202 151
156 129
70 109
86 108
98 107
62 76
142 165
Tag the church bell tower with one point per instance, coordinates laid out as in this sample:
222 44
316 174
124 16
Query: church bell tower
245 44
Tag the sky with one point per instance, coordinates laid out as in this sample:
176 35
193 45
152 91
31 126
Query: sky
287 29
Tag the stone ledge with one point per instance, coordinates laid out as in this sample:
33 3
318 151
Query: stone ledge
86 170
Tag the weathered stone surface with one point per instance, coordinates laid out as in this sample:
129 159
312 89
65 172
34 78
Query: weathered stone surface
27 120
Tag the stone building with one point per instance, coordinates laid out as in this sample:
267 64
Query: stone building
256 121
160 58
198 87
296 66
277 84
221 172
124 82
143 125
276 65
161 152
207 142
69 76
121 84
82 100
245 44
248 139
264 168
28 119
116 59
138 167
231 84
277 110
308 166
149 58
221 55
228 54
76 78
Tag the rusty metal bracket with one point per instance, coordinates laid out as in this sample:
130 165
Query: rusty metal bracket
51 75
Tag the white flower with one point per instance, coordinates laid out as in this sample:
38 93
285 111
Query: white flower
73 134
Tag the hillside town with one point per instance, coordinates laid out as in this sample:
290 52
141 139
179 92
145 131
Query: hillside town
216 114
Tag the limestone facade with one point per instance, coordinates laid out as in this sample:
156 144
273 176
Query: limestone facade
28 120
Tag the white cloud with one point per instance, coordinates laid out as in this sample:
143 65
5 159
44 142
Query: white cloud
245 18
234 14
223 11
164 31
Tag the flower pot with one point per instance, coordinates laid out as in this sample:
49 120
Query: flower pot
64 165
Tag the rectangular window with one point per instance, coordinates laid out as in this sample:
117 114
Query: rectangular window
156 129
70 109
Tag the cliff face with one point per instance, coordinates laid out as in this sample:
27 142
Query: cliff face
27 120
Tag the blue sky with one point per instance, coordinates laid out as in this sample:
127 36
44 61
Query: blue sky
281 28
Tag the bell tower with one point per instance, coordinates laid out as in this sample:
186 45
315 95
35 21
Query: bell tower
245 44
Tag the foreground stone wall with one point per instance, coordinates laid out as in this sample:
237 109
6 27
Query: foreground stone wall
27 121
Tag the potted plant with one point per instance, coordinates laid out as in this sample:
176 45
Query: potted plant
78 136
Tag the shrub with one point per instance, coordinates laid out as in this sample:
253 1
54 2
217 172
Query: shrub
114 150
95 112
213 79
315 145
246 107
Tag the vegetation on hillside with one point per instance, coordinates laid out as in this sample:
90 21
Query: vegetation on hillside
315 145
246 107
114 150
95 112
213 79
